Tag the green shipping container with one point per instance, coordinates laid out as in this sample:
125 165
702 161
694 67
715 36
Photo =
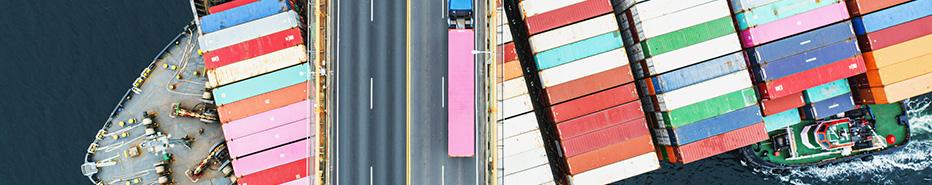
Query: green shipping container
826 91
709 108
782 120
578 50
688 36
778 10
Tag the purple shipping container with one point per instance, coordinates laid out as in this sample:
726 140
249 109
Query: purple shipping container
263 121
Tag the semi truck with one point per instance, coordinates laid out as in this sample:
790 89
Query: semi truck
461 112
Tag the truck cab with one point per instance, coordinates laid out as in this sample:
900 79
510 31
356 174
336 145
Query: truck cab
460 14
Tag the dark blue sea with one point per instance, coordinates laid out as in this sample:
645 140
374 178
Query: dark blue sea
65 64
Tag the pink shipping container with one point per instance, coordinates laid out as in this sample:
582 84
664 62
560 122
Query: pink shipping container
269 138
794 24
272 158
263 121
461 94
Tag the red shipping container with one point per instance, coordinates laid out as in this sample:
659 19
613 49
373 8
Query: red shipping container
253 48
509 52
228 5
263 102
588 84
716 144
600 120
279 174
592 103
774 106
604 137
896 34
610 154
798 82
567 15
862 7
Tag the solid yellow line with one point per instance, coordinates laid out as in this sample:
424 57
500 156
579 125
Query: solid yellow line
408 92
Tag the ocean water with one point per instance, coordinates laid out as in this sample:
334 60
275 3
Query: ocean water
63 67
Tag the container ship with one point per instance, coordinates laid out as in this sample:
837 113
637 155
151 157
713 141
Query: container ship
603 90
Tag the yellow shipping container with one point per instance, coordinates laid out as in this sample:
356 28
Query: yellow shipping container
898 53
900 71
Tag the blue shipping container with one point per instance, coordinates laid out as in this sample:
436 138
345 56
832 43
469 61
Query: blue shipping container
578 50
892 16
716 125
806 61
700 72
782 120
261 84
829 107
800 43
826 91
242 14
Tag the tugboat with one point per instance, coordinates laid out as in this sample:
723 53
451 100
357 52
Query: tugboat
857 134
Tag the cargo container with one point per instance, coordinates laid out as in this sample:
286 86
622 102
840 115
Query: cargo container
242 14
516 106
573 33
897 91
829 107
898 53
261 84
510 52
647 28
592 103
600 120
566 15
272 158
512 70
578 50
892 16
708 127
518 125
826 91
537 175
807 79
793 25
688 36
708 108
863 7
800 43
781 104
618 171
264 102
647 10
896 34
301 181
514 87
228 5
612 134
534 7
253 48
582 68
738 6
587 85
704 90
521 143
297 112
267 139
900 71
247 31
782 120
279 174
525 160
714 145
775 11
256 66
460 93
607 155
690 55
697 73
806 61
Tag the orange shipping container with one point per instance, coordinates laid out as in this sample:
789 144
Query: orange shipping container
897 91
512 70
898 53
610 154
900 71
263 102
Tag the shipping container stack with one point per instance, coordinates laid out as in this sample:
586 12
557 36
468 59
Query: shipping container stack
575 62
256 64
896 38
801 54
523 158
692 77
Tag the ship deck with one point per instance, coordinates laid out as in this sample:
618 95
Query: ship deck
113 163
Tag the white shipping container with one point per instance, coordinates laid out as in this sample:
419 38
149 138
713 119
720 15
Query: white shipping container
692 54
248 31
678 20
625 4
525 160
534 7
517 105
256 66
522 143
514 87
704 90
739 6
539 175
583 67
573 33
618 171
505 30
515 126
656 8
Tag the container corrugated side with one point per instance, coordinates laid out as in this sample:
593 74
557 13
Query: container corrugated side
521 143
826 91
775 11
596 139
512 70
738 6
898 53
782 120
897 91
578 50
829 107
688 36
248 31
781 104
709 127
704 90
649 28
256 66
592 103
691 54
573 33
864 7
618 171
253 48
900 71
600 120
800 43
582 68
697 73
239 15
806 61
516 106
228 5
510 52
264 102
261 84
892 16
589 84
538 175
269 138
715 145
793 25
514 87
653 9
525 160
518 125
301 181
297 112
279 174
807 79
896 34
709 108
566 15
272 158
534 7
610 154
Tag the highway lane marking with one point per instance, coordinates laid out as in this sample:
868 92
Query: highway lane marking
443 7
370 93
336 136
370 175
443 175
371 10
408 92
443 93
